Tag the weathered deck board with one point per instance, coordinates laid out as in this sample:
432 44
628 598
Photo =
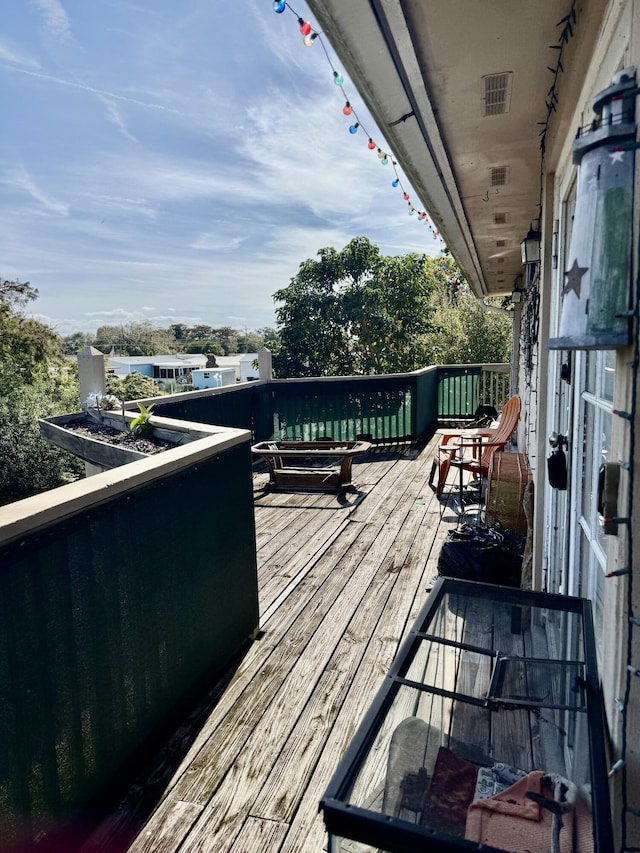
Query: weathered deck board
341 581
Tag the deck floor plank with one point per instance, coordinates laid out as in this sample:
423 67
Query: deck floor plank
341 582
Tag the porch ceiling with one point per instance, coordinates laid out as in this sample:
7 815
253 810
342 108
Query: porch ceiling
433 61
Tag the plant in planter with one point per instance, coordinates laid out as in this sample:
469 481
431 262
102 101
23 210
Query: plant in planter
141 426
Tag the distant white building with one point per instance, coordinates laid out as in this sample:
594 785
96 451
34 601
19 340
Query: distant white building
164 369
213 377
242 362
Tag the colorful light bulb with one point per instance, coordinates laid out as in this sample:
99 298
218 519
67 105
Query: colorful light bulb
279 6
354 128
347 109
395 183
406 196
338 79
309 40
371 144
381 154
305 26
384 161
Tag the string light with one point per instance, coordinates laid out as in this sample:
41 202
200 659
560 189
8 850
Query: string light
310 36
616 767
617 573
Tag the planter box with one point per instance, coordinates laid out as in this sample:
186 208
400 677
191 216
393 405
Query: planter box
105 455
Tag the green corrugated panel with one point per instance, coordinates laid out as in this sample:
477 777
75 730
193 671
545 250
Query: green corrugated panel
107 621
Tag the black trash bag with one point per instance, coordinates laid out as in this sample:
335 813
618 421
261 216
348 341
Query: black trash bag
482 554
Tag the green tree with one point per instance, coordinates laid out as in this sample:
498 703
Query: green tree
466 333
76 342
355 312
227 338
204 347
28 464
27 347
133 386
34 383
358 312
135 339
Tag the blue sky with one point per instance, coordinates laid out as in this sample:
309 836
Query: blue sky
177 161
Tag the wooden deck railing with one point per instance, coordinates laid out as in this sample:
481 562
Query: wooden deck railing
385 408
119 592
118 595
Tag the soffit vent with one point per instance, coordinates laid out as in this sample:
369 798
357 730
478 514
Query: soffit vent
496 94
500 260
499 218
501 243
498 176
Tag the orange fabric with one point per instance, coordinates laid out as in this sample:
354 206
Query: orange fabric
511 821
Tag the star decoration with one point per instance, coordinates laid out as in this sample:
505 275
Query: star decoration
574 279
616 155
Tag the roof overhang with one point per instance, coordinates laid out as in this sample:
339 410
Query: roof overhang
427 71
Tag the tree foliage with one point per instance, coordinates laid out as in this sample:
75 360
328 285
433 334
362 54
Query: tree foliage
466 333
133 386
33 384
132 339
27 347
356 311
135 339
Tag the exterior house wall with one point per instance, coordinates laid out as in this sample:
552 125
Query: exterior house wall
556 405
213 377
247 370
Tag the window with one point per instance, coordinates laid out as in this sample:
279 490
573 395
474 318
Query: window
594 449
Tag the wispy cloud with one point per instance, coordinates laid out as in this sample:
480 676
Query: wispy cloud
55 17
13 55
210 242
114 115
20 179
102 93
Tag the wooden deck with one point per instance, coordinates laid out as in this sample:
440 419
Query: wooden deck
342 579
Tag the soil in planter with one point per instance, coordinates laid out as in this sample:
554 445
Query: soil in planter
122 439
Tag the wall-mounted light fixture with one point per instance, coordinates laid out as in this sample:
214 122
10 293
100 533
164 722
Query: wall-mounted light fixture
530 247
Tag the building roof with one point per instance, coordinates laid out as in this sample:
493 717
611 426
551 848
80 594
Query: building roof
174 360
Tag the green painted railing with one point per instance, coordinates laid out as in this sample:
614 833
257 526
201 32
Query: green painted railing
110 619
462 388
111 615
343 409
387 408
